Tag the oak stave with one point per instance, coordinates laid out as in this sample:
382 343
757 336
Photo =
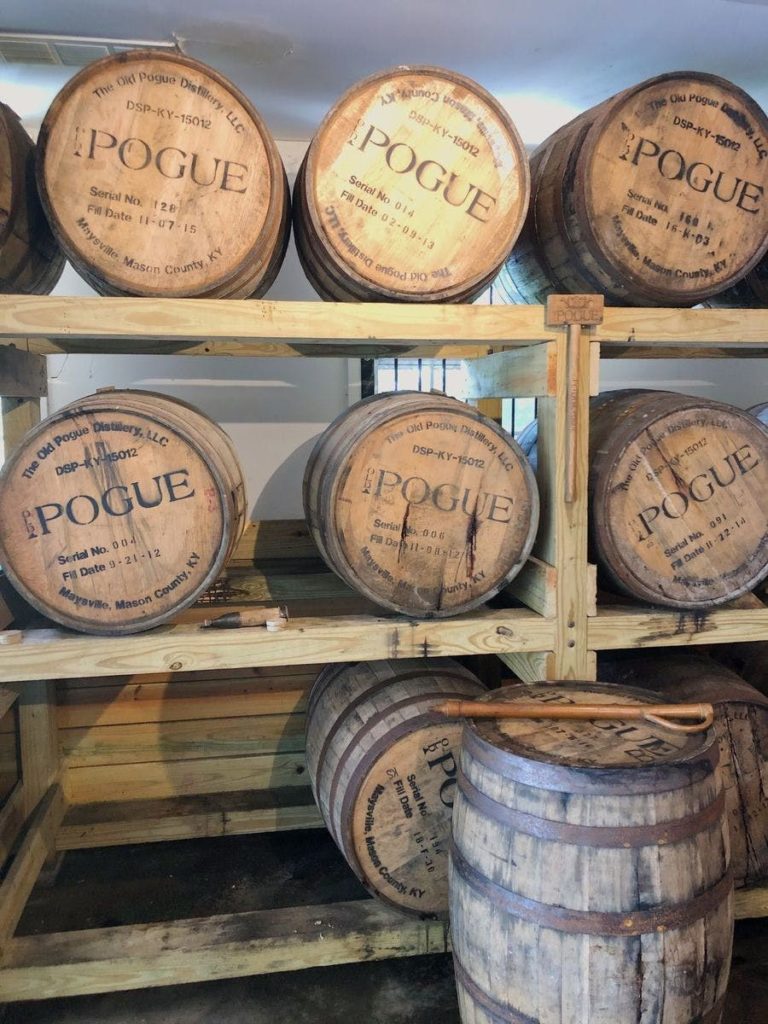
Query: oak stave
621 205
676 513
370 226
30 260
128 191
120 510
741 727
398 515
370 739
586 884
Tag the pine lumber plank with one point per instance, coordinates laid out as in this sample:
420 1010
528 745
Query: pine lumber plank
518 373
134 703
622 627
50 324
18 416
152 780
35 847
275 538
531 668
750 903
536 586
224 946
304 641
38 737
182 741
230 327
220 814
562 539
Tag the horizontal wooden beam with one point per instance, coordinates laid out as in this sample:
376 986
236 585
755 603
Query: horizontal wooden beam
304 641
750 903
22 374
48 324
519 373
623 627
194 817
206 949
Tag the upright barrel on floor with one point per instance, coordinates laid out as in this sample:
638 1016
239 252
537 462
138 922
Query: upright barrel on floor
589 876
30 260
413 189
119 510
741 725
160 178
656 197
420 503
383 771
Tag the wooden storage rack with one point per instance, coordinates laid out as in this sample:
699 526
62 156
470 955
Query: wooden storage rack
555 633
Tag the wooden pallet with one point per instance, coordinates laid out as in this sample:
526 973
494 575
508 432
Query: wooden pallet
200 771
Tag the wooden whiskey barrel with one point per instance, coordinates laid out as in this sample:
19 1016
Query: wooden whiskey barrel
588 861
677 487
420 503
414 189
30 260
741 726
676 509
160 178
655 197
119 511
383 771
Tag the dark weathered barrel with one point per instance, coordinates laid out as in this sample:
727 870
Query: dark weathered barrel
414 189
119 510
741 726
160 178
655 197
421 503
383 771
30 260
589 860
676 497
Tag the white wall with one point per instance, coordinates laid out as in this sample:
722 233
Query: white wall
272 408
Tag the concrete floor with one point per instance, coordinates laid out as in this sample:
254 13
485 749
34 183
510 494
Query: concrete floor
126 885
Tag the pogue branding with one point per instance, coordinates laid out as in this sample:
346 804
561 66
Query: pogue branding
431 175
701 488
135 154
118 500
445 497
699 176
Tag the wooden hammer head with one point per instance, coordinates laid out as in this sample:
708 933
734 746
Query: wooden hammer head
585 310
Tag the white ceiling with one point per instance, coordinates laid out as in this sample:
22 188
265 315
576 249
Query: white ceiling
545 59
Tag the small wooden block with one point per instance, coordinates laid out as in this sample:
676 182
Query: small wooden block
586 310
11 636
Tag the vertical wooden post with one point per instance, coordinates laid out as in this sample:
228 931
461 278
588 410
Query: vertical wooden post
22 384
563 454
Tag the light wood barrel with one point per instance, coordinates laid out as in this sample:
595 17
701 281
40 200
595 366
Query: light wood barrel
741 726
420 503
413 189
119 511
656 197
160 178
383 771
30 260
589 859
677 494
677 513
